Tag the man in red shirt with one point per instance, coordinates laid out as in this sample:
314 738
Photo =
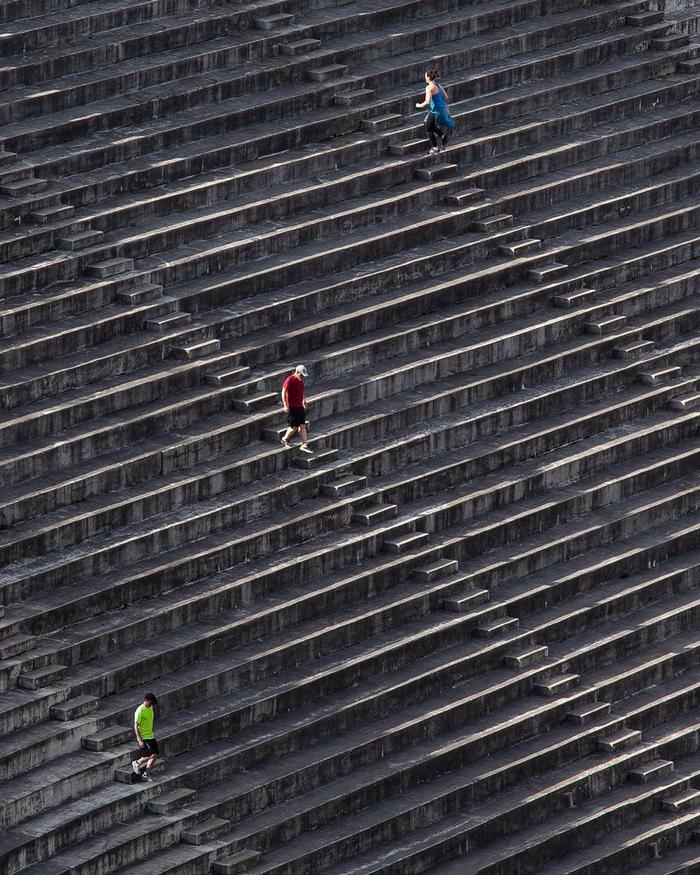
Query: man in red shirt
295 407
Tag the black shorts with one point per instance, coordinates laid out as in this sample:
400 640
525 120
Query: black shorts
151 746
297 416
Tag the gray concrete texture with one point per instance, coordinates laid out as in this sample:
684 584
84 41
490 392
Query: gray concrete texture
462 636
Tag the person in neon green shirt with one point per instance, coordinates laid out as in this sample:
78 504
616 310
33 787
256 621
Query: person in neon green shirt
143 729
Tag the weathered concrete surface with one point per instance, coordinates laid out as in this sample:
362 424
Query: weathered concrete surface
461 636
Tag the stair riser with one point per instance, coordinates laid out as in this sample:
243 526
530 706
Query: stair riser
529 168
63 789
481 834
264 79
31 757
30 396
161 837
298 530
616 242
598 180
604 21
573 471
457 757
95 691
79 450
55 32
134 633
265 209
348 436
285 312
110 86
104 193
131 44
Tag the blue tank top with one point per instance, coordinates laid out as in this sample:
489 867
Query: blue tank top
438 105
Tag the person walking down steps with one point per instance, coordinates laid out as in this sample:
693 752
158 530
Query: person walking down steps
295 407
438 121
143 728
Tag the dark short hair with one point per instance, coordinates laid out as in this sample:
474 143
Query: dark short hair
432 74
150 697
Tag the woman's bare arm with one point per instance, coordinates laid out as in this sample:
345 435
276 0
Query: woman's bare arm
429 91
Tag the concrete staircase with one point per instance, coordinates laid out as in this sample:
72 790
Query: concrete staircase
460 637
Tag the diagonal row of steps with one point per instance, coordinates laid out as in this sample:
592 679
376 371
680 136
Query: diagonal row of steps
15 314
17 210
680 219
438 27
188 302
333 401
606 344
566 705
285 679
537 63
512 101
105 639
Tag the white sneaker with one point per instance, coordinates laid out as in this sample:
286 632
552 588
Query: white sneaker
305 448
146 777
136 767
285 443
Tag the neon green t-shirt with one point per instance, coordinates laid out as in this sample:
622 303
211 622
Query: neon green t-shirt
143 718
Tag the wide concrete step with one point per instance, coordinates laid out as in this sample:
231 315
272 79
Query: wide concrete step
520 608
347 21
140 244
144 515
599 829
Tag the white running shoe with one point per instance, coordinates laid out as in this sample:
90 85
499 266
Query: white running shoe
434 151
285 443
146 777
136 767
305 448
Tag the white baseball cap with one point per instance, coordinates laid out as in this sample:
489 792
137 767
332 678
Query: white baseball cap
300 369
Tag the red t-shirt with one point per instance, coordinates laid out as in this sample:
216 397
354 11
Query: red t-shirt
295 390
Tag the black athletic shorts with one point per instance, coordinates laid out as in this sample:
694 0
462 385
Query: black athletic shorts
297 416
151 746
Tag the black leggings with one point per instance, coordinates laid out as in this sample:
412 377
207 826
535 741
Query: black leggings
434 132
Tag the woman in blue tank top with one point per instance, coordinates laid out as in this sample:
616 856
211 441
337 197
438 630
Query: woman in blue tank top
438 121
